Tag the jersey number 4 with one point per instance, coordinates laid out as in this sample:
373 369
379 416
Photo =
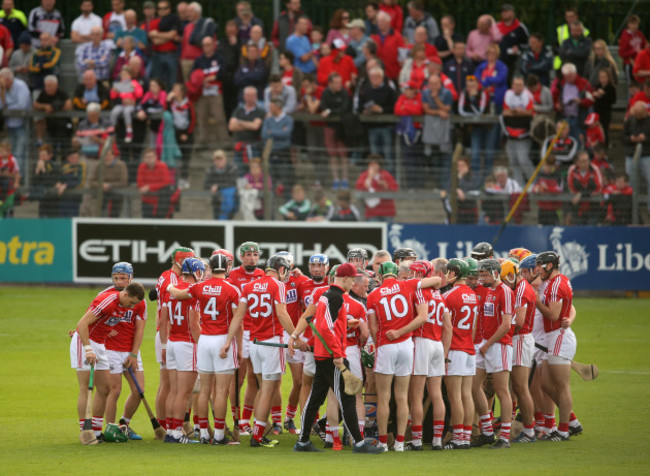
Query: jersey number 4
396 307
259 305
211 308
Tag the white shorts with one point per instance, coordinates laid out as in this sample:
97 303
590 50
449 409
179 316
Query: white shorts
297 357
267 360
395 359
462 364
479 359
561 343
309 364
181 356
353 354
429 359
246 345
78 355
523 347
159 351
539 355
207 355
116 361
498 358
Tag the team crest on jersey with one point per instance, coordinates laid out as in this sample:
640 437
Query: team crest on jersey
573 256
396 241
293 284
260 287
292 296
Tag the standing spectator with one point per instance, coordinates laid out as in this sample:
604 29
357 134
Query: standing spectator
436 133
600 59
133 30
197 28
335 101
124 58
298 43
465 194
115 176
311 94
6 44
246 126
278 127
83 24
50 101
576 49
22 57
537 59
641 69
339 28
395 13
149 14
285 23
518 110
563 32
420 38
277 90
493 76
125 95
409 104
245 20
486 33
46 19
514 37
153 103
604 99
163 36
290 76
565 147
595 134
345 210
458 66
183 17
379 98
542 123
154 183
298 208
418 17
358 38
14 20
15 96
618 198
630 44
549 181
221 180
255 181
46 182
474 102
371 11
91 134
637 131
114 21
94 55
184 117
338 62
9 179
45 61
229 48
572 98
388 41
73 178
210 114
264 48
375 179
584 181
252 72
444 42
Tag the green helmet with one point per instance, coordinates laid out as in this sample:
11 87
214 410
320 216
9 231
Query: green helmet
388 268
181 254
249 246
460 267
332 273
114 434
473 266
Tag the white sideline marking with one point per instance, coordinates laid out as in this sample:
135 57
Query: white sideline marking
628 372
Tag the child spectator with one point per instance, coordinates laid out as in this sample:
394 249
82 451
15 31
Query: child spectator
600 159
125 93
345 211
182 110
618 198
298 208
632 41
322 209
604 99
549 181
153 102
316 36
595 134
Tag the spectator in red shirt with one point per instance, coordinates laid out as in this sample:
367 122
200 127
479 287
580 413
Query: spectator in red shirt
7 44
410 104
641 69
375 179
618 198
632 42
164 35
114 20
389 41
395 13
584 182
338 62
595 134
420 38
600 159
642 96
154 183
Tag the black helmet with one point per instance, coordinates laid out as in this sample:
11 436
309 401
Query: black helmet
218 263
546 257
489 264
278 261
482 251
357 253
404 253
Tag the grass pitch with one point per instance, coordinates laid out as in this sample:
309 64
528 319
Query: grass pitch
39 431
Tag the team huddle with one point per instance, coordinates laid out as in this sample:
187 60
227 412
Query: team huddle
465 330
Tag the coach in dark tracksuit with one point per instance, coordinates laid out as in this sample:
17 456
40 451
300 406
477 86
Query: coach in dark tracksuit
331 323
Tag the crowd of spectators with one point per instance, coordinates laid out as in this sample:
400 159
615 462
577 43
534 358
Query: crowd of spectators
174 85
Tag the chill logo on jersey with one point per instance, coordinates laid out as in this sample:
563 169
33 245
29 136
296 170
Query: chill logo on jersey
388 291
292 295
488 309
469 298
260 287
212 290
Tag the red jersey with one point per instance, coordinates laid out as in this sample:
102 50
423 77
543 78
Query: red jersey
393 304
216 299
432 328
307 289
168 277
294 303
331 322
463 305
240 278
356 310
559 289
123 341
313 298
498 302
481 292
525 297
109 312
179 316
262 295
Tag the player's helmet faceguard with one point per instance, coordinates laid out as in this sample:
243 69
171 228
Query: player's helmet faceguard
277 262
318 265
482 251
546 258
404 253
422 267
181 254
357 253
252 247
509 272
288 256
459 267
388 268
490 266
194 267
219 263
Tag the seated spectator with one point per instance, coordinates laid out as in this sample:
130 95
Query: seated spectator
221 180
514 38
91 133
486 33
389 41
115 176
89 90
22 57
474 102
154 183
505 184
9 179
345 210
518 110
335 101
415 68
285 23
246 127
252 72
600 59
358 38
577 48
549 181
466 195
375 179
600 159
255 181
94 55
565 147
73 178
131 29
124 58
264 48
46 181
197 28
339 28
595 134
572 98
458 67
163 35
444 42
184 117
630 44
15 96
52 100
125 95
81 26
245 21
45 19
278 127
636 130
322 208
277 90
418 17
300 46
153 103
45 61
537 59
437 103
584 181
618 199
114 21
298 208
14 20
493 76
604 94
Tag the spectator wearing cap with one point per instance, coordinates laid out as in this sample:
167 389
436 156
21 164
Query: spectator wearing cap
14 20
298 43
444 42
458 66
437 104
493 75
486 33
220 180
577 48
335 101
245 20
339 27
419 18
389 41
22 57
358 38
298 208
81 26
252 72
376 180
537 59
594 135
514 38
46 19
163 34
572 98
94 55
338 62
285 24
278 90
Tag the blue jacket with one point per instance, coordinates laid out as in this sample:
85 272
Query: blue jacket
500 82
278 130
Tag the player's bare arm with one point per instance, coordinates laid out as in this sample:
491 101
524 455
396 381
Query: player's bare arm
447 332
178 294
431 282
373 325
300 328
234 328
195 324
82 329
285 320
132 359
163 331
364 332
520 317
552 311
420 318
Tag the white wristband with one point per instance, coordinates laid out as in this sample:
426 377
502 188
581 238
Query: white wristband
163 346
294 336
88 348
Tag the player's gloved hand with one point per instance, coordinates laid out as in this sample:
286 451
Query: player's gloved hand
153 294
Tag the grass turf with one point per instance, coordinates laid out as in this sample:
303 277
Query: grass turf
38 421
